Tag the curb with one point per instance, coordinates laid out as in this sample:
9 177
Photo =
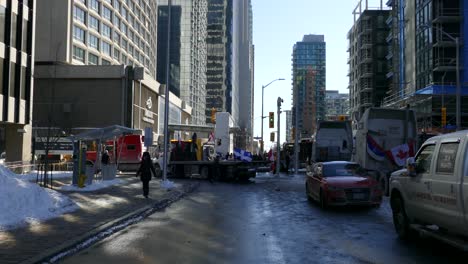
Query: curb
93 236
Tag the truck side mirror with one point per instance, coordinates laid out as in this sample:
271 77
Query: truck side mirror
411 166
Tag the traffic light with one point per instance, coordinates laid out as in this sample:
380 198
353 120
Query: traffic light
272 119
272 136
213 115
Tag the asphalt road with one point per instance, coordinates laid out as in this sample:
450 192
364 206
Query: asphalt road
266 221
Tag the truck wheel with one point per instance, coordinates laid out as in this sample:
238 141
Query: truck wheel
383 182
400 219
204 172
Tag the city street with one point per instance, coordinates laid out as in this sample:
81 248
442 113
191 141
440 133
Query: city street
266 221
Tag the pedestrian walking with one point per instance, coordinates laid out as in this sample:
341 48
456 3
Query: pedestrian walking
146 167
105 158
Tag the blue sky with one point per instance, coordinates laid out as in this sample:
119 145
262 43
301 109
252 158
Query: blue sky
277 26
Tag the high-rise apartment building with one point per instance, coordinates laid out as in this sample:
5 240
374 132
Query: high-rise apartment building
17 26
97 32
308 61
337 104
425 41
368 49
188 55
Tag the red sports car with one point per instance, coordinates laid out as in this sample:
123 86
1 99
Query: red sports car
342 183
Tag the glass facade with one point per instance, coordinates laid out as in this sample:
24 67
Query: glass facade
188 52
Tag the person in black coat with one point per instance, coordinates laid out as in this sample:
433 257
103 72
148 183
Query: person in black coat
146 167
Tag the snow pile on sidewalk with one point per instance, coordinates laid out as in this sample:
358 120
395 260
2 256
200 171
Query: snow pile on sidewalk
22 202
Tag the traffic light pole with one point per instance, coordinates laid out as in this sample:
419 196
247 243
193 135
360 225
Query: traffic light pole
278 146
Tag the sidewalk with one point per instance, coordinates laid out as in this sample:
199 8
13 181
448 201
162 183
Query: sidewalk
99 210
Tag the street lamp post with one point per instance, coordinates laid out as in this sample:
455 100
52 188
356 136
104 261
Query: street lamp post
458 88
263 88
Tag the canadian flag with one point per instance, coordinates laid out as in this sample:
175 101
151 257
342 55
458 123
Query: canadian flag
400 153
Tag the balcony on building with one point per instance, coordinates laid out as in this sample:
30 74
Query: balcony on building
366 86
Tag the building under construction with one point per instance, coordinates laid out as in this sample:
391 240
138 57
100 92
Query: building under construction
426 37
367 60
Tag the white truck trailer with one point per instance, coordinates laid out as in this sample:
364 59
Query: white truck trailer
384 139
333 141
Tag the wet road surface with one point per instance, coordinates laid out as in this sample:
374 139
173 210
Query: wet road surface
266 221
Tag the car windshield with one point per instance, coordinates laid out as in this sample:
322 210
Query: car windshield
344 169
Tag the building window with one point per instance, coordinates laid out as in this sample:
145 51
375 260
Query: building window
23 83
93 41
117 21
106 30
2 22
116 54
25 36
105 62
116 38
116 5
12 79
92 59
79 14
79 34
94 23
78 53
124 59
14 28
82 1
94 4
123 28
106 48
123 13
106 13
124 43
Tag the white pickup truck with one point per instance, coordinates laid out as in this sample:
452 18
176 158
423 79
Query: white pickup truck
430 196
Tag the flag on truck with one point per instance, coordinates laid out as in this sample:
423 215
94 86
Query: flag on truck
374 149
242 155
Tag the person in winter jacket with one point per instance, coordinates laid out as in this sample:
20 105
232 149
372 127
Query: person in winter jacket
146 167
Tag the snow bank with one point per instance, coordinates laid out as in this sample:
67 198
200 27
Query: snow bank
23 202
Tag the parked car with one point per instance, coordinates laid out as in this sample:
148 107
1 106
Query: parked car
430 195
342 183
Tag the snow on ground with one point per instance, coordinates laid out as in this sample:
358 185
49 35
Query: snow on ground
95 186
22 201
